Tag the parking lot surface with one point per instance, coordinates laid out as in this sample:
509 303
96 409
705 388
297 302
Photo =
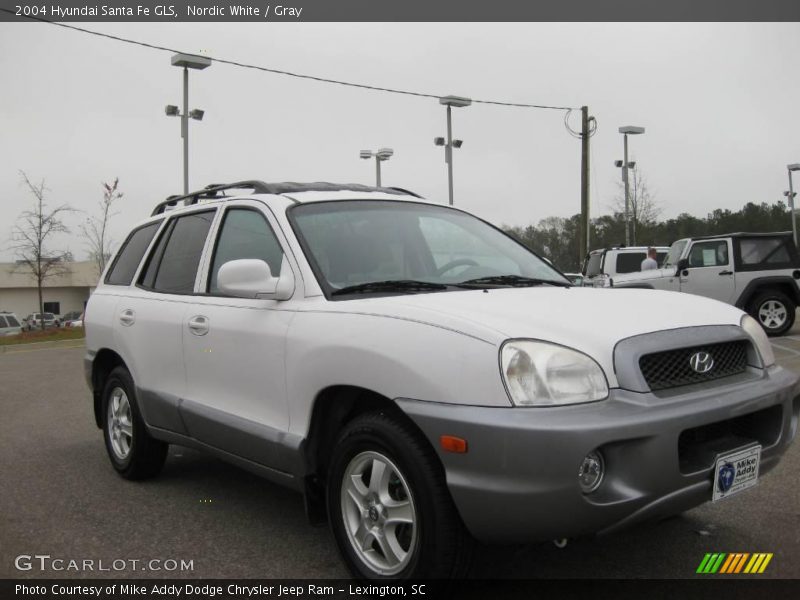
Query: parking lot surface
60 497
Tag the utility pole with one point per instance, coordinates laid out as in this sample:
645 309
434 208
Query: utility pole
583 245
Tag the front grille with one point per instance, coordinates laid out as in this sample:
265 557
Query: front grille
672 368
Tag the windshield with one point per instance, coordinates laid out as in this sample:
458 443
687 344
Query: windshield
675 252
352 243
593 264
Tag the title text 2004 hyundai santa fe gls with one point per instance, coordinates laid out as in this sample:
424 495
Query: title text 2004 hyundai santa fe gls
422 378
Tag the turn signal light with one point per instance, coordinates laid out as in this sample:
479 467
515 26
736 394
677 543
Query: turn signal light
451 443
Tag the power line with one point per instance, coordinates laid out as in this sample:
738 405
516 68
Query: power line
287 73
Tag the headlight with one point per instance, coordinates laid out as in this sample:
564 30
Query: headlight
751 326
542 374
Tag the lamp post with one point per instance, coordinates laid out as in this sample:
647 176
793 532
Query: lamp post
625 131
791 168
450 102
380 156
187 61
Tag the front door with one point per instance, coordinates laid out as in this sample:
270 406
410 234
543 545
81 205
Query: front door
710 270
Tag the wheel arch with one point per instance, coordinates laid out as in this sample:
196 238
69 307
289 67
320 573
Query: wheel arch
105 361
333 408
784 284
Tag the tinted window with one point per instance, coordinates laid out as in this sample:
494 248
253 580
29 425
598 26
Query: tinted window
52 307
12 321
3 322
245 234
130 255
764 250
660 256
709 254
630 262
177 269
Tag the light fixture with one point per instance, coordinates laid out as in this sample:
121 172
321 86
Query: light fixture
171 110
439 141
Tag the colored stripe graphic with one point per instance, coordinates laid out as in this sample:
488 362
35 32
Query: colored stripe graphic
735 562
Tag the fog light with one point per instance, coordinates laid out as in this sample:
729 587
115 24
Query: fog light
591 472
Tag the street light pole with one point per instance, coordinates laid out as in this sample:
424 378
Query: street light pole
450 143
791 168
380 156
633 130
187 61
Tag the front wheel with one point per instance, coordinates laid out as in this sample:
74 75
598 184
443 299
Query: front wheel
774 311
388 504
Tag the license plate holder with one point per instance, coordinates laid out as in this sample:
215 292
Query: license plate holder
736 471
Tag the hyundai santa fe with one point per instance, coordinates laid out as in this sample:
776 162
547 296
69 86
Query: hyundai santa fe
421 378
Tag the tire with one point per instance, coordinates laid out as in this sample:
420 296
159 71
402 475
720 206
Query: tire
433 544
774 310
132 451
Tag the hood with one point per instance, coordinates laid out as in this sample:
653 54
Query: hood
591 320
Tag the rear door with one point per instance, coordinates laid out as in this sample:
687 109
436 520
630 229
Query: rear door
710 270
149 318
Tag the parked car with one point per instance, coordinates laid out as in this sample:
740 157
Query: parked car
606 263
34 321
422 378
70 318
9 324
757 272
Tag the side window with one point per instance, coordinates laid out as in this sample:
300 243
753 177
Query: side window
172 266
245 233
767 251
130 255
3 322
12 321
709 254
630 262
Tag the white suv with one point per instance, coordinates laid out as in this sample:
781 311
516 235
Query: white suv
422 378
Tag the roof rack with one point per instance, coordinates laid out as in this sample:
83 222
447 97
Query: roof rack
212 191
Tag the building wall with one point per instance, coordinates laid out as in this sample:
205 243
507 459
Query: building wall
71 289
23 301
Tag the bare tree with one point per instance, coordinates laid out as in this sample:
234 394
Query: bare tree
643 206
95 228
31 237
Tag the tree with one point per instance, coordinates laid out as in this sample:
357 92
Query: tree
31 237
643 207
95 228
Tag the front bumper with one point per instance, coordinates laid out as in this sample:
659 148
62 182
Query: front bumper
518 482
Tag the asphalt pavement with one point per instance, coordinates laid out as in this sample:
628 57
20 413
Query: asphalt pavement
60 497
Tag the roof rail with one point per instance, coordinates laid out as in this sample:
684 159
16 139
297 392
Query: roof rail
210 192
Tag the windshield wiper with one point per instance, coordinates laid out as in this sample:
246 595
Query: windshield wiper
392 285
511 280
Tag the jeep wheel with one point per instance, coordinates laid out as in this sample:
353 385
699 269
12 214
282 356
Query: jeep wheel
133 452
389 507
774 311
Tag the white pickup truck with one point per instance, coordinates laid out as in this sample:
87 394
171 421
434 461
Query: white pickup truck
757 272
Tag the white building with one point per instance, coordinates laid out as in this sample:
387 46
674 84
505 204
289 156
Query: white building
61 293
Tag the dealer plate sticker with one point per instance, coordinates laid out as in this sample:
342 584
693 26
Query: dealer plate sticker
736 471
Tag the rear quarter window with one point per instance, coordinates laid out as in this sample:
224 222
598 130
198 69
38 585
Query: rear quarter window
130 255
758 253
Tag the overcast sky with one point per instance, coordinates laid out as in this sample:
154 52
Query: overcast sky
720 103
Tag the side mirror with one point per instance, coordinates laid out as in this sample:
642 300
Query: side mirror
683 264
252 278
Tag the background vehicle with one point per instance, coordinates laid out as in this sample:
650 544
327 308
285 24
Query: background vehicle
70 318
420 376
757 272
606 263
9 324
34 321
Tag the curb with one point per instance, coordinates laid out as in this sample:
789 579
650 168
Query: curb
12 348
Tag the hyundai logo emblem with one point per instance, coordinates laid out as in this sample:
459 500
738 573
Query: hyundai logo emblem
701 362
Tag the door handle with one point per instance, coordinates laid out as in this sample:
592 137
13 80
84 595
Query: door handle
127 317
726 272
198 325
